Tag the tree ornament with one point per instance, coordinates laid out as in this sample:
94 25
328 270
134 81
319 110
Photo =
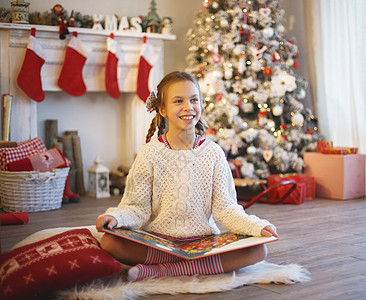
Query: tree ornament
295 64
247 107
251 150
206 3
242 64
224 23
301 94
215 5
267 155
238 49
268 32
275 57
267 71
265 12
297 119
216 57
277 110
290 61
262 117
280 28
256 65
228 73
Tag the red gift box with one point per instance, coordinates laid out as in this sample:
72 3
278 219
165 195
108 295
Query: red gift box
309 182
296 197
326 147
337 176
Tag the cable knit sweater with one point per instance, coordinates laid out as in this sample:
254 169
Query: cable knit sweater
178 192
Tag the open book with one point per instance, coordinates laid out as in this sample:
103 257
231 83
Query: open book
210 245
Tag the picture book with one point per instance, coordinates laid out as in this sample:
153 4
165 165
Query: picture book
206 246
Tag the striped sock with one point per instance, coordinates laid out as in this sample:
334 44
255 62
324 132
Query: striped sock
203 266
155 257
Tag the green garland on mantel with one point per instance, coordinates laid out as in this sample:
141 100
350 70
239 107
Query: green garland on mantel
49 18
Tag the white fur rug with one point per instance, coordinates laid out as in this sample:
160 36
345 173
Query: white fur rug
117 287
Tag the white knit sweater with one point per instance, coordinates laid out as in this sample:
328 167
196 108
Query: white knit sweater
176 193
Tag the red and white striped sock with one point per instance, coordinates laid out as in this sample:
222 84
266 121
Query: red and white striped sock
155 257
203 266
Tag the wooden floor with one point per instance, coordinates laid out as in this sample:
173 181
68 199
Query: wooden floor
327 237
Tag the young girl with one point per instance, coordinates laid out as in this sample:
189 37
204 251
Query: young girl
177 184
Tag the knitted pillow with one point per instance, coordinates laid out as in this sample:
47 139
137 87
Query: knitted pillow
63 260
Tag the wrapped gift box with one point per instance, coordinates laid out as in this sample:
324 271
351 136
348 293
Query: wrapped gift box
337 176
309 182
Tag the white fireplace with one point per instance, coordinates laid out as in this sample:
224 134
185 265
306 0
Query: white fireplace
27 115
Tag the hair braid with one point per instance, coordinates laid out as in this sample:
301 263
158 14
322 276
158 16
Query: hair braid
201 126
157 121
152 129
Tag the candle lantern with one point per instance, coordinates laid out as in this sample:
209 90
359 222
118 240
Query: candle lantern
98 180
20 11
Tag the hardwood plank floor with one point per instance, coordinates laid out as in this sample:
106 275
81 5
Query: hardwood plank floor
327 237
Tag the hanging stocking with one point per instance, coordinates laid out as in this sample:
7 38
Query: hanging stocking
111 78
71 76
29 78
148 56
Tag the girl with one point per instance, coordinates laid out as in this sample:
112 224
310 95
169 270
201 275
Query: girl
177 184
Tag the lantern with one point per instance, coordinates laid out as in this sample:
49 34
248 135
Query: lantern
98 180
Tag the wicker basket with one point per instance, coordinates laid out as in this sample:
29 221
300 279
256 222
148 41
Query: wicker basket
32 191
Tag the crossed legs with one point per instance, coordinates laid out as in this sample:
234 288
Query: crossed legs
138 255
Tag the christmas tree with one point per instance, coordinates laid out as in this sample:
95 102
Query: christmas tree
244 63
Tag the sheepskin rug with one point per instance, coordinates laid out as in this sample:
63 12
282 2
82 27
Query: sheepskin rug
117 287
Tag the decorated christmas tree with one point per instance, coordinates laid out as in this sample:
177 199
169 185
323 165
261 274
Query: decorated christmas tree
244 63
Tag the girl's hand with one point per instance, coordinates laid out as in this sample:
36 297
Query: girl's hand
105 219
269 231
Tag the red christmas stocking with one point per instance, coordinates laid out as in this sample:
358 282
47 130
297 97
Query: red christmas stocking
71 76
148 56
29 78
111 80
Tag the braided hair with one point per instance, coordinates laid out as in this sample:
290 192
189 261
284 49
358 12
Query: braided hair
153 103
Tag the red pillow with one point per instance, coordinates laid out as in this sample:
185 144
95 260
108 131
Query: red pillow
63 260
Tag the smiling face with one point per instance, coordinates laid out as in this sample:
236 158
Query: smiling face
182 106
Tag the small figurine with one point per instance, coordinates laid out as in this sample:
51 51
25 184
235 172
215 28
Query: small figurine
58 10
72 19
167 25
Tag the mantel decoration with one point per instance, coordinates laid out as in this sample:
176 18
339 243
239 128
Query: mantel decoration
98 180
19 13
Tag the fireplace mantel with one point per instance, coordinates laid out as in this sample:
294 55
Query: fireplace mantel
13 43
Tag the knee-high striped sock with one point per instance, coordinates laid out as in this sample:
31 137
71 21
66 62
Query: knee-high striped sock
155 257
203 266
